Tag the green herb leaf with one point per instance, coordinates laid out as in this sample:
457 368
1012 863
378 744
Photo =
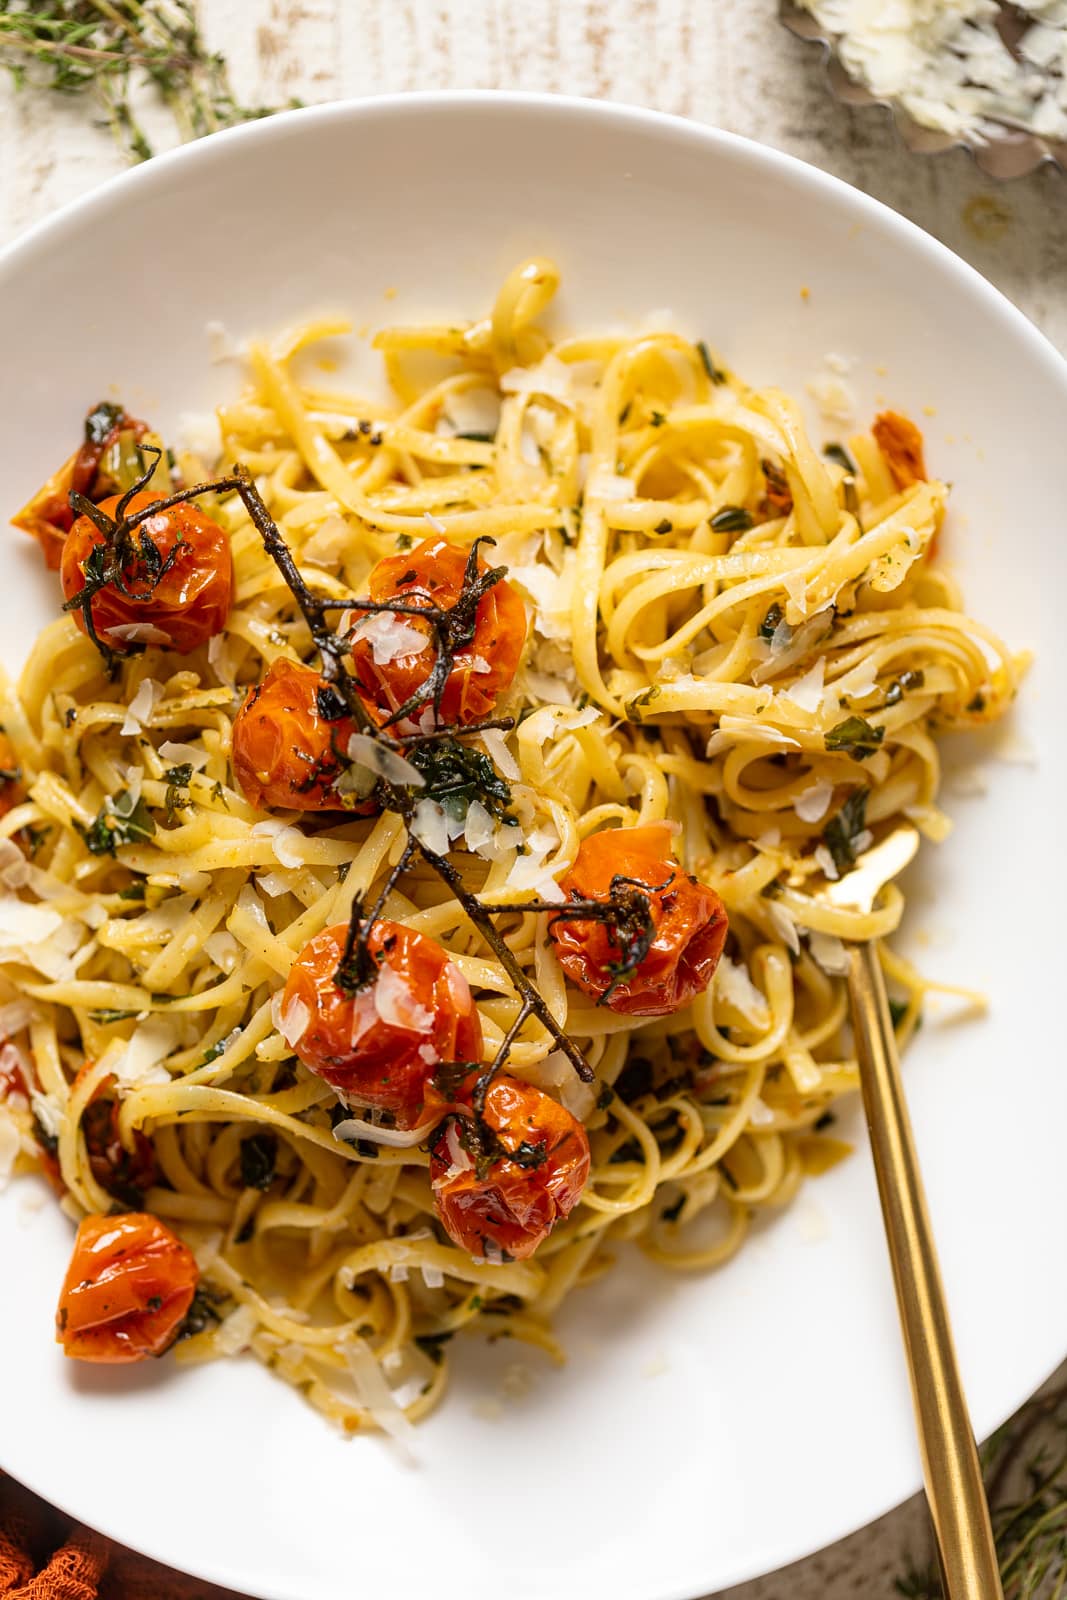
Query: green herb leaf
844 828
259 1156
732 519
855 737
716 374
912 679
456 775
105 1017
838 453
118 822
771 622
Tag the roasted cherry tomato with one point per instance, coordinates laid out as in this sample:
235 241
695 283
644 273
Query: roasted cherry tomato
128 1287
688 918
379 1044
390 668
126 1174
106 462
290 740
502 1180
184 605
11 791
901 443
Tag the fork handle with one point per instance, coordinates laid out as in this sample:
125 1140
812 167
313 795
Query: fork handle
954 1487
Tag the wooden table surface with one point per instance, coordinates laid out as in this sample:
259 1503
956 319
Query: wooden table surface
725 62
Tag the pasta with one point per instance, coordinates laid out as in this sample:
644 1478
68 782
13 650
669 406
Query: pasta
732 633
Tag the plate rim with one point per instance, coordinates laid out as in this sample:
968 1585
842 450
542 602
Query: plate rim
791 169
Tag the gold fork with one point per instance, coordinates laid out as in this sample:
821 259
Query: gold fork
954 1488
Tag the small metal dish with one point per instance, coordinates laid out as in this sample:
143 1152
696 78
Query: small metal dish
1012 154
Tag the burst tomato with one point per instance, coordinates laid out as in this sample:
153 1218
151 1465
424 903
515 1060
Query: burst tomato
128 1287
126 1174
688 919
379 1044
12 792
182 606
48 516
502 1180
901 443
290 739
394 653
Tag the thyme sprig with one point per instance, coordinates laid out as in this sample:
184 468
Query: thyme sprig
1026 1480
100 50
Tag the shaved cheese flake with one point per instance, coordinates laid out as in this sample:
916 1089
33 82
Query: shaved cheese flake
373 1392
396 1004
273 884
496 746
550 376
294 1020
200 434
137 633
223 950
436 524
182 754
328 545
141 1062
603 484
811 804
479 829
285 841
473 411
784 926
829 953
383 762
433 1278
354 1129
577 1097
429 826
736 989
826 863
760 1114
807 691
15 1016
234 1332
141 707
390 636
47 1113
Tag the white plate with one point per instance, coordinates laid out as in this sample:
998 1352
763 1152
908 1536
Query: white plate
705 1430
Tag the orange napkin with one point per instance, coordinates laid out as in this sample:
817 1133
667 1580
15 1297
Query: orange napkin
44 1556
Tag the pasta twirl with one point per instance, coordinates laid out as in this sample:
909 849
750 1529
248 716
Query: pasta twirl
731 633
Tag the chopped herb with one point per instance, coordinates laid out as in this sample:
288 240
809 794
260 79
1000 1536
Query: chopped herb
844 828
605 1097
10 775
204 1309
838 453
625 412
898 1010
133 891
154 1302
102 420
978 703
404 541
529 1156
716 374
475 438
855 737
118 822
456 775
635 1080
218 792
259 1156
35 837
827 1120
657 418
433 1345
177 778
732 519
106 1017
212 1053
900 686
666 526
771 622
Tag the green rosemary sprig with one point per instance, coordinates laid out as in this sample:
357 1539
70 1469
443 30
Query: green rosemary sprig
101 49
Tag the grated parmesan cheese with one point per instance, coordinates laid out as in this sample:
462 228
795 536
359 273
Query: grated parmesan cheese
140 709
811 804
390 637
